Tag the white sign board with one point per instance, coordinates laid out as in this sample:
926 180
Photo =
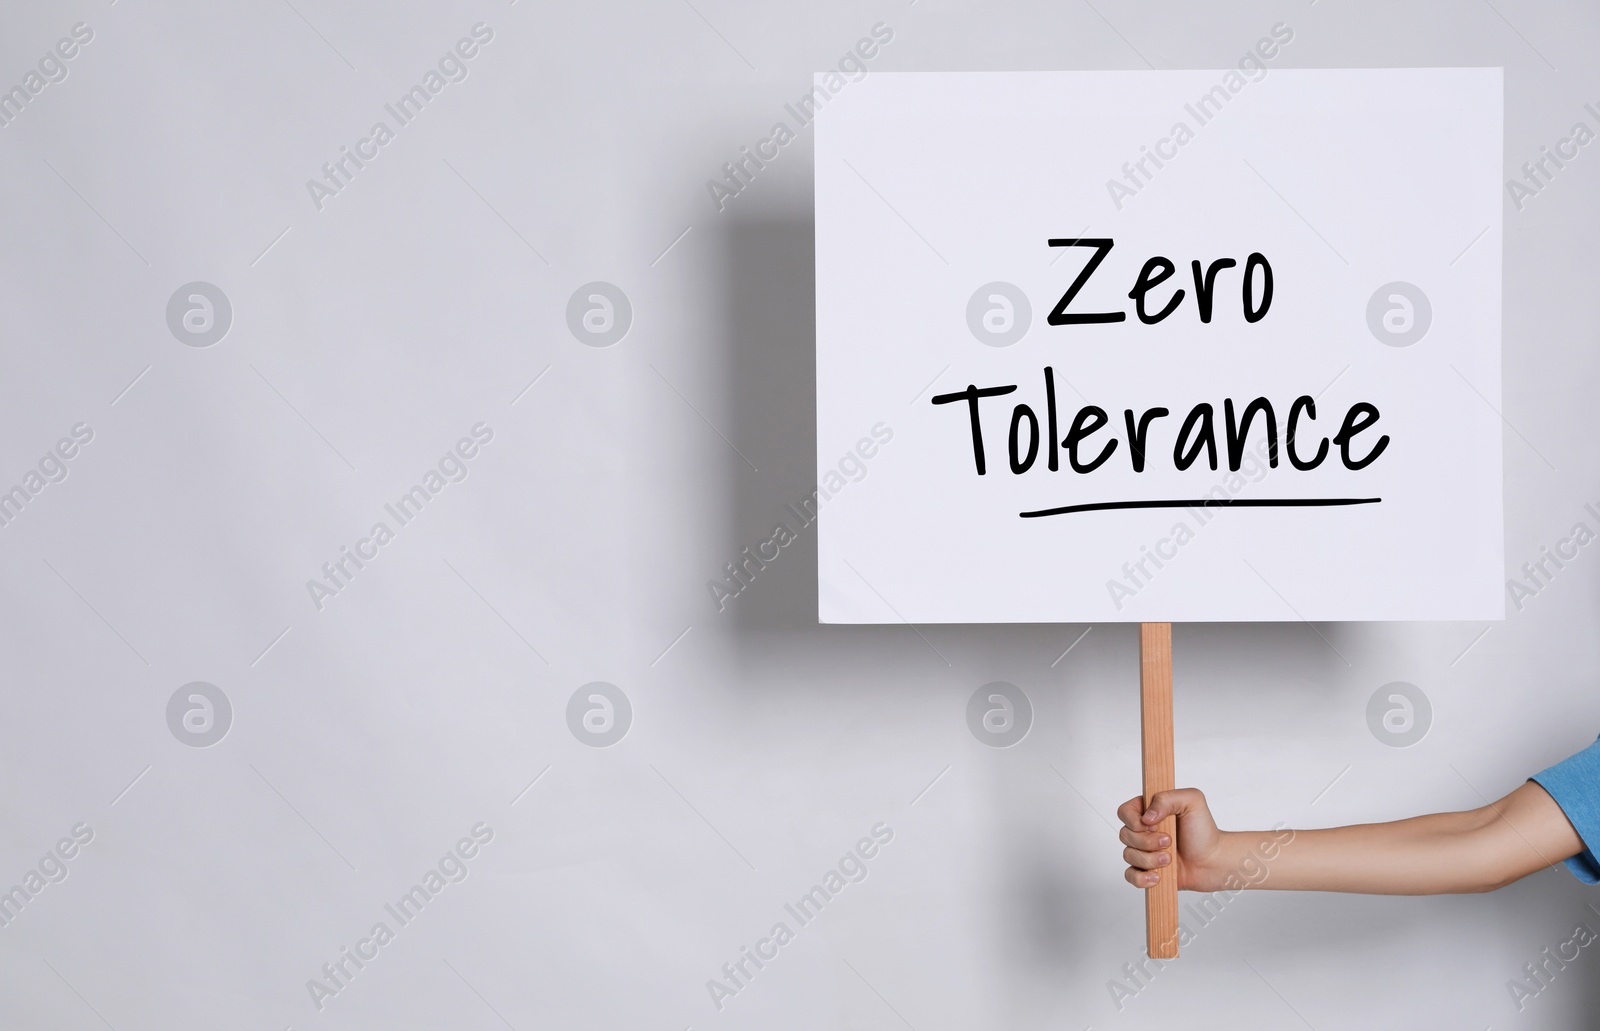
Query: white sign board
1160 346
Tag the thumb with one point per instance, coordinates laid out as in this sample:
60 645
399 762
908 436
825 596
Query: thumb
1179 802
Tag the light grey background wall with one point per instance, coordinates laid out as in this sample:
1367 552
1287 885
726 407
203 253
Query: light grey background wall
362 738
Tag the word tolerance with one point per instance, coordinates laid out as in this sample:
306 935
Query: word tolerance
1197 433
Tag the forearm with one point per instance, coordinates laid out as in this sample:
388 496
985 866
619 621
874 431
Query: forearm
1477 850
1426 855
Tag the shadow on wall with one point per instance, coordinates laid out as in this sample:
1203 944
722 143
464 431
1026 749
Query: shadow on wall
770 313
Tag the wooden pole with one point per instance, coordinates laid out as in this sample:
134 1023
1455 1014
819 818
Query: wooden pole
1155 712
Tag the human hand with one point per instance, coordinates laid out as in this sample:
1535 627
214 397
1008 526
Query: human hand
1198 862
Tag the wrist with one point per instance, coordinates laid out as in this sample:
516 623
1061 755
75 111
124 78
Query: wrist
1209 869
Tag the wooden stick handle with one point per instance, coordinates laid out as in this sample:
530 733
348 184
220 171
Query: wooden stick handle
1155 712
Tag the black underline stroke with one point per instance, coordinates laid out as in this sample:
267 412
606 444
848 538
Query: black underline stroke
1101 506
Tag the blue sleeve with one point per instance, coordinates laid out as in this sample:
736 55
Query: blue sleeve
1575 785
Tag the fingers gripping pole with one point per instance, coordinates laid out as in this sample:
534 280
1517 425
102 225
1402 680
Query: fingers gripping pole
1155 709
